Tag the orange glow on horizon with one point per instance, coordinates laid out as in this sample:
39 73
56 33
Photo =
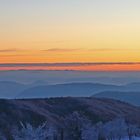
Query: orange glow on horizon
103 67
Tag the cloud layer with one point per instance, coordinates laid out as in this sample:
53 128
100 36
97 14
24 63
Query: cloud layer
66 64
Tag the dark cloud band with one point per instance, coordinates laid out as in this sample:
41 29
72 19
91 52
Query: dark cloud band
65 64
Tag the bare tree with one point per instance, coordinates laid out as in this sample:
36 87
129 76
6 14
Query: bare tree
115 129
74 125
28 132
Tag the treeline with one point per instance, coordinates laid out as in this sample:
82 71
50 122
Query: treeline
75 127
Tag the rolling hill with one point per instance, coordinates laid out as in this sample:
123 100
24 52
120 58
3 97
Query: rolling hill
130 97
54 110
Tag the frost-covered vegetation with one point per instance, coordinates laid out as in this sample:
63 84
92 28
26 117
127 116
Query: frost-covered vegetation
77 127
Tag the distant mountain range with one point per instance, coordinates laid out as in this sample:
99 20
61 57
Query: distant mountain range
130 97
64 90
54 110
10 89
81 90
128 93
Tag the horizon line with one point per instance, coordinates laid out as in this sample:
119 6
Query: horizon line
67 63
76 66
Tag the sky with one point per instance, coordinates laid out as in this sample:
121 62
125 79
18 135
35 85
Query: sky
69 31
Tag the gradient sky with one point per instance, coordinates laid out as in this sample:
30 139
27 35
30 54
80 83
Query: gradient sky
52 31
